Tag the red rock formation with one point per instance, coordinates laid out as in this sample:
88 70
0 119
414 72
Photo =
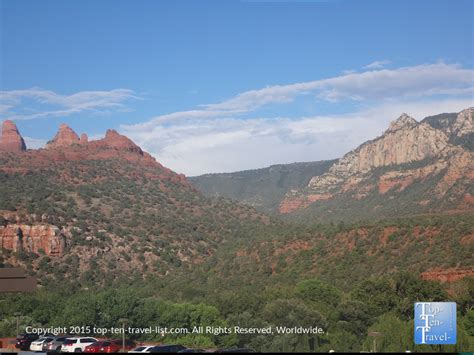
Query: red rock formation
67 147
292 203
11 140
448 275
64 138
33 238
116 141
84 139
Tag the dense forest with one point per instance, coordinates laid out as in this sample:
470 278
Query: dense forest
382 305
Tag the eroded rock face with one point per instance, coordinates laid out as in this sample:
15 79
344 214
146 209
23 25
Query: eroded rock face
64 138
405 142
448 275
84 139
464 123
292 203
33 238
117 141
11 139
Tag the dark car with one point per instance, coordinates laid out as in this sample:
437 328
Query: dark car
23 341
167 348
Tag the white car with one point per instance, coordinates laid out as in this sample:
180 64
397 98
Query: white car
142 349
37 345
76 345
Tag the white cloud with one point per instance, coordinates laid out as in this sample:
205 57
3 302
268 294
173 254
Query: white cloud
378 64
39 103
419 81
230 144
216 138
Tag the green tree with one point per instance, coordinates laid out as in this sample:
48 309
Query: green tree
410 289
394 335
318 292
377 294
469 322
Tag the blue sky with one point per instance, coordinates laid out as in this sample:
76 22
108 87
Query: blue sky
209 86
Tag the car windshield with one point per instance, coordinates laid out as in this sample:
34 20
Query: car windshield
69 341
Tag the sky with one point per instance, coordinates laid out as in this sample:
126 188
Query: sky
221 86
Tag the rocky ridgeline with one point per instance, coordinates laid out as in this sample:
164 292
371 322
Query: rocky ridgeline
12 141
405 141
68 146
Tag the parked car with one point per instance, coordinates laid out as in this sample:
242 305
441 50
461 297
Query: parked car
24 340
142 349
56 343
109 346
167 348
77 344
37 345
97 347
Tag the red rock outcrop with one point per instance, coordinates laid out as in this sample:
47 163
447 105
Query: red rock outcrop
448 275
84 139
33 238
68 147
11 139
64 138
291 203
117 141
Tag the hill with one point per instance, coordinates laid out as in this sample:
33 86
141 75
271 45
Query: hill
260 188
104 209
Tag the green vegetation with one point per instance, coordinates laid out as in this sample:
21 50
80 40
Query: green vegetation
347 318
158 224
260 188
155 251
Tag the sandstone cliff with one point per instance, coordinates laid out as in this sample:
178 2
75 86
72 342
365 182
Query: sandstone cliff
33 238
407 153
11 139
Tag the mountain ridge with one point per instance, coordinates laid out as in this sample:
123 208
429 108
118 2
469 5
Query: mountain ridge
431 160
91 210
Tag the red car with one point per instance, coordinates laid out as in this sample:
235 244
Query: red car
109 346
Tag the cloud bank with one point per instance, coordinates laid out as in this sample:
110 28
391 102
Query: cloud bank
224 137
